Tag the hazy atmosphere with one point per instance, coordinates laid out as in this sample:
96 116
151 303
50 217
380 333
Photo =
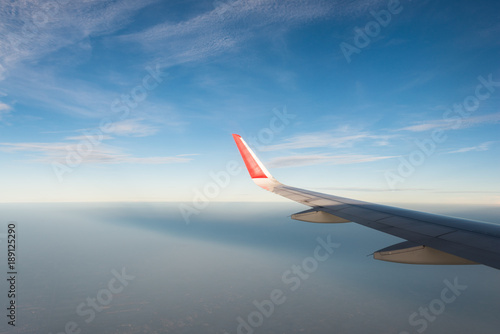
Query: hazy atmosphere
202 277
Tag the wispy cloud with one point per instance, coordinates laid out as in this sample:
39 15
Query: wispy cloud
100 154
134 128
4 110
342 138
359 189
231 23
452 123
34 29
479 148
418 79
315 159
72 96
468 192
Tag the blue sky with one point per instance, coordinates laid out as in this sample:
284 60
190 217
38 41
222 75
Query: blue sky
384 101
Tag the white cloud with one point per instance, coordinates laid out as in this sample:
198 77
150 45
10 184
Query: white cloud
35 28
372 189
305 160
96 154
453 123
479 148
32 30
231 23
342 138
82 137
2 72
419 79
4 107
134 128
427 126
478 120
4 110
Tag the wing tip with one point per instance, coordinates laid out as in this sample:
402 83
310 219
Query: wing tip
255 168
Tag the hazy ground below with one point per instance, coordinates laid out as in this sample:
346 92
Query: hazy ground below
236 268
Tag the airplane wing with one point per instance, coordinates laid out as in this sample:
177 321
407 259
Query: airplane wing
431 238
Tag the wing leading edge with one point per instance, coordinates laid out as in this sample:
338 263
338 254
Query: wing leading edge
431 238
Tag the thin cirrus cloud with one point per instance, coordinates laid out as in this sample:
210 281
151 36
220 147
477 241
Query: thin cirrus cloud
134 128
78 98
479 148
71 97
4 110
34 29
315 140
453 123
229 24
100 154
55 26
360 189
314 159
127 127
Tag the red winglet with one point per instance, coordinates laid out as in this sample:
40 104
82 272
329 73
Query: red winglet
249 158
